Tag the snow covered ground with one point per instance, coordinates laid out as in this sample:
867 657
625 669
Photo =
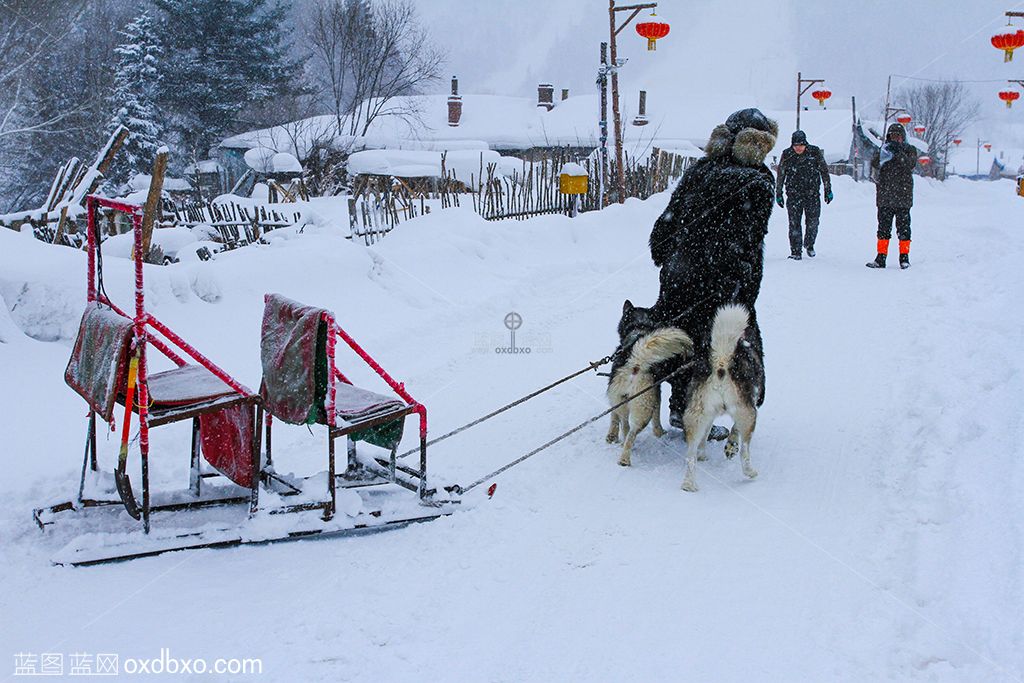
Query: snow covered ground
881 541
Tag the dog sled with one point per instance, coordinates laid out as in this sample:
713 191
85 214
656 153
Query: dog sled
236 495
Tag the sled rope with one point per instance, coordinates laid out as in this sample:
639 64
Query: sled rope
593 366
463 489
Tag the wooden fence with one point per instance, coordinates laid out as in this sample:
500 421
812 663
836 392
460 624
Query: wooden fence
235 225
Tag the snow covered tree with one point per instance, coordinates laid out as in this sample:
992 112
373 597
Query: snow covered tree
136 84
221 57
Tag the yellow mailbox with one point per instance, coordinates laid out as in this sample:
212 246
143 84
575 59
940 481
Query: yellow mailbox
573 179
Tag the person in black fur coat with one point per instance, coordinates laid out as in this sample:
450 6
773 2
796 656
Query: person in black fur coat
709 242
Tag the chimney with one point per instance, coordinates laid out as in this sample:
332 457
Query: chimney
565 94
546 96
641 117
454 104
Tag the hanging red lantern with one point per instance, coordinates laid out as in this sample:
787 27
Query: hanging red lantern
1009 96
1008 39
821 95
904 119
653 30
988 147
924 160
957 141
919 129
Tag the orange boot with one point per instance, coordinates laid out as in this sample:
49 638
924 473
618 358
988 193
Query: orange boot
904 254
883 249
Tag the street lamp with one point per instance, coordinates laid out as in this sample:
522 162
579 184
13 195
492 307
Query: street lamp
801 89
657 30
988 146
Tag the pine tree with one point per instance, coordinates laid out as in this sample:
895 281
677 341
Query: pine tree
222 56
136 87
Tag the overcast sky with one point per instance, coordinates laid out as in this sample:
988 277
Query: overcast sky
753 48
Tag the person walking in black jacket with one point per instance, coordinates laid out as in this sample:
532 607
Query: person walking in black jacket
801 170
894 193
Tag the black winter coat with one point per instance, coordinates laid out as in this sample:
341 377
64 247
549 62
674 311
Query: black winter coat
802 174
709 242
894 187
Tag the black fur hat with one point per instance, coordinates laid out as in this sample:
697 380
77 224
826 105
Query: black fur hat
747 135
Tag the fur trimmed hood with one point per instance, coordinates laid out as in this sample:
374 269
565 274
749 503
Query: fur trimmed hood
747 136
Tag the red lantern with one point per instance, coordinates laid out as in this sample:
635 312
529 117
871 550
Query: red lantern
652 30
904 119
919 129
924 160
1009 96
821 96
988 147
1008 39
957 141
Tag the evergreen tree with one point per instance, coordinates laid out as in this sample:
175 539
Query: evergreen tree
222 55
136 85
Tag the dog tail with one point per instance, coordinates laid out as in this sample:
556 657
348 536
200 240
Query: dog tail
730 323
660 345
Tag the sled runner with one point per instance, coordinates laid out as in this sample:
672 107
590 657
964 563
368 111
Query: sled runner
301 385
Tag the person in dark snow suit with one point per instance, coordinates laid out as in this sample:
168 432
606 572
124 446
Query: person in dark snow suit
709 241
802 170
894 193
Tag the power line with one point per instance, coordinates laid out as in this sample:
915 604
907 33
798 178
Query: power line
950 80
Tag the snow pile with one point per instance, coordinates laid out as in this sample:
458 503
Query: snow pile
266 160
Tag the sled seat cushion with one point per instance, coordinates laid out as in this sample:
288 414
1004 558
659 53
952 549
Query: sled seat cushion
184 386
354 405
97 370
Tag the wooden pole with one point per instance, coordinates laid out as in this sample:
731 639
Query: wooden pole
620 172
151 211
799 84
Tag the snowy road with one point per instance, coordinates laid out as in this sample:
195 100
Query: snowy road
882 540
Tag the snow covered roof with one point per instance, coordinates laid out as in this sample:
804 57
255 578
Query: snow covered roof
511 123
466 164
266 160
141 181
204 166
970 159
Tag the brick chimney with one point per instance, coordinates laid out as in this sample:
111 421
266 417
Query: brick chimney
546 96
641 117
454 104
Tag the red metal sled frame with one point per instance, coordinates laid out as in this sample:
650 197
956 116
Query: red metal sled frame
146 325
406 477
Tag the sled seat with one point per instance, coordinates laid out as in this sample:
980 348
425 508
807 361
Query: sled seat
302 386
187 392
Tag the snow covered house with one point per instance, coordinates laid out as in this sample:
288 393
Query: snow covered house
534 128
974 161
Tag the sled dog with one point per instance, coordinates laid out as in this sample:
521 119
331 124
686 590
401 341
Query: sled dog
727 379
639 361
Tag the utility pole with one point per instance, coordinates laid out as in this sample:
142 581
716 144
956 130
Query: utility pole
800 90
854 147
890 111
620 171
602 86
